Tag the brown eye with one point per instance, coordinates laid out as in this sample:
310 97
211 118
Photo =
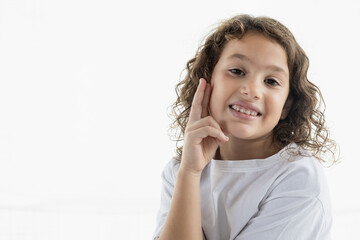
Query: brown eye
237 71
271 82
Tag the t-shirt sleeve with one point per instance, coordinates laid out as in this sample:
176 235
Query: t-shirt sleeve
292 210
168 183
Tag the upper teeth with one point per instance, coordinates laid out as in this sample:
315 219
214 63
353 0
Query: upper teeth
243 110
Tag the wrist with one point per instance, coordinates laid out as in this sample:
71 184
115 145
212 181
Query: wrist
189 173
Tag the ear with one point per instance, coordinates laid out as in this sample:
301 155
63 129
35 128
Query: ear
287 107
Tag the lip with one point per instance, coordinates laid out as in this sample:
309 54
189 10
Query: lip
246 105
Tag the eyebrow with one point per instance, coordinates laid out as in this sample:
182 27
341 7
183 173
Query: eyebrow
245 58
238 55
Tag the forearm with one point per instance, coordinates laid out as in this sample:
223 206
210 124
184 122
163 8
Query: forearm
184 218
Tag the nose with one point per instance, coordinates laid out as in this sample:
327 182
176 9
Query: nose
251 88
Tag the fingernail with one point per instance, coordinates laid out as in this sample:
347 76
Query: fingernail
199 83
225 137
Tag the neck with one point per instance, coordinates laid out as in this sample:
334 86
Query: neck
239 149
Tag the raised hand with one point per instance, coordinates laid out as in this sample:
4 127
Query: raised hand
202 134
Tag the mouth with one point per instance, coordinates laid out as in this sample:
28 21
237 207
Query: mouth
244 110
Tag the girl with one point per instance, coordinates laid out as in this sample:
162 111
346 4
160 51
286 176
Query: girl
254 137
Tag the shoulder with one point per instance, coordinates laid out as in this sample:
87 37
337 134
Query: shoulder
296 203
302 187
302 168
301 176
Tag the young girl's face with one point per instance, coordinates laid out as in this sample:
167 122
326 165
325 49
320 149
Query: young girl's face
250 85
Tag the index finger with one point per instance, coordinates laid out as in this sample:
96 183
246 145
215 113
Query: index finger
205 101
196 106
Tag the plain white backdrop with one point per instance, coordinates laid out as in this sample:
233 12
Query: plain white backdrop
85 88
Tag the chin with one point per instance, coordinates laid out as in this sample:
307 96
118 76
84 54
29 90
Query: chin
240 132
243 136
247 133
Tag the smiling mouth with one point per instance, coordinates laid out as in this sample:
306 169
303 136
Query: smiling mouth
244 110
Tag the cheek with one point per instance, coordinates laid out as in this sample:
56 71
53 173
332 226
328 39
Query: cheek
279 104
274 105
213 106
216 105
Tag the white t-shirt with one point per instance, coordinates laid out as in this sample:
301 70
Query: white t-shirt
280 197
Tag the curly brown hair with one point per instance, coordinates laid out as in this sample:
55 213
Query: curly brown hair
305 122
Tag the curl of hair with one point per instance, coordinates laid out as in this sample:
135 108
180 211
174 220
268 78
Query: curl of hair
305 121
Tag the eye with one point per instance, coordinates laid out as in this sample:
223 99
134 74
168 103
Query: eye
271 82
237 71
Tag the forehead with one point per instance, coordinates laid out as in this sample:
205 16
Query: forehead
256 49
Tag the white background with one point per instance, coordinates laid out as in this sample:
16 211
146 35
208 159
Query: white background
84 92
